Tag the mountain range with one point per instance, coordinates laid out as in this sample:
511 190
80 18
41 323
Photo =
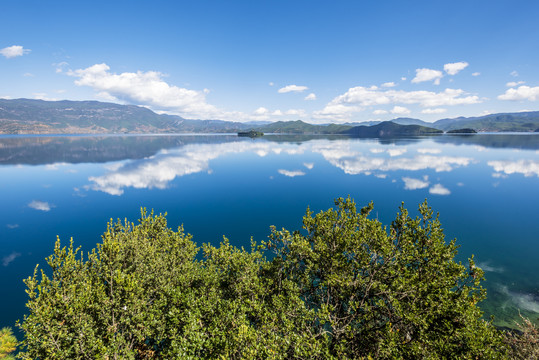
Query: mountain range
28 116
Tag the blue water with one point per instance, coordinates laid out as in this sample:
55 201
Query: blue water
485 187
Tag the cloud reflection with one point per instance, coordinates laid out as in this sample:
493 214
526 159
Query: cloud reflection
354 163
414 184
159 170
523 301
489 268
290 173
439 189
6 260
40 205
525 167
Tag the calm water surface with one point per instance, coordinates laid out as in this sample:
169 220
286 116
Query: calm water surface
485 187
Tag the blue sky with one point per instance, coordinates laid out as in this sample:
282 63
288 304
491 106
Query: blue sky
319 61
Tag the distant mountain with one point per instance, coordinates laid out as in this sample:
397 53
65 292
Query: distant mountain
38 116
300 127
400 121
411 121
257 123
362 123
521 121
389 128
209 126
27 116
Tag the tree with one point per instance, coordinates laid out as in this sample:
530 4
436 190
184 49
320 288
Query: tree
343 287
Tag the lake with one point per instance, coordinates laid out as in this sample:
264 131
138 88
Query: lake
485 187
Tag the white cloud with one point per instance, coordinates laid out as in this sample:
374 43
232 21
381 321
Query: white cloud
308 165
433 111
6 260
148 89
521 93
376 150
400 110
311 96
455 68
414 184
261 111
12 226
277 113
43 96
525 167
40 205
422 75
271 83
373 96
296 112
291 173
60 67
514 83
476 73
403 78
438 189
13 51
379 112
389 84
292 88
337 112
28 74
514 73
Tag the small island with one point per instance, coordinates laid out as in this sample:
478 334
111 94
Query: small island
462 131
251 133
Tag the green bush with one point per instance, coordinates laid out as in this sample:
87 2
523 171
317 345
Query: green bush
8 343
342 287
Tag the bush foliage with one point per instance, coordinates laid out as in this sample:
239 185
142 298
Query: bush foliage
342 287
8 343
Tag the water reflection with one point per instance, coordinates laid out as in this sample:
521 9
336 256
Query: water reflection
38 150
159 170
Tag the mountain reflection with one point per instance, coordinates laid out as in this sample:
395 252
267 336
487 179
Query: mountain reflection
39 150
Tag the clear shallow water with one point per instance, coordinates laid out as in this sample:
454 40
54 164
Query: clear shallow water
485 187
